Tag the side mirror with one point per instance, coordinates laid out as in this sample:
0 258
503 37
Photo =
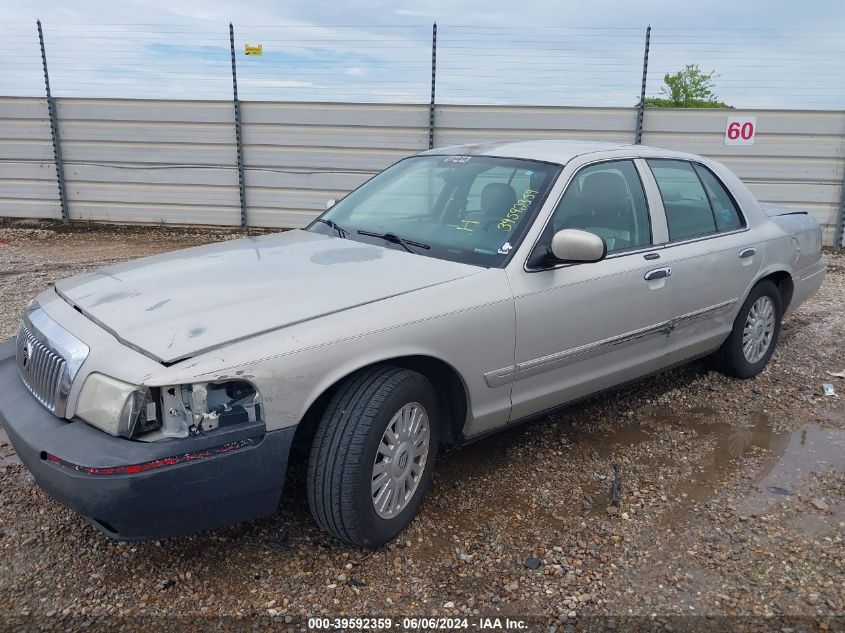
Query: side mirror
574 245
330 203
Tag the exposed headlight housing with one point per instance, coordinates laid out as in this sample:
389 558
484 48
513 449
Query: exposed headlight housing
203 407
126 410
116 407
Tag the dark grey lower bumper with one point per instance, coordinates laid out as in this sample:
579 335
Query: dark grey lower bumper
226 486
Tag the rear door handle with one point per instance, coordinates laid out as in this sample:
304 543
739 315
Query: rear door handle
658 273
746 252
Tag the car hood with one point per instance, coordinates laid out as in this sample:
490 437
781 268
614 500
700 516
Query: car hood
177 305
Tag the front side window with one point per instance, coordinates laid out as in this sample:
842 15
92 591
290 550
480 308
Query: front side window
606 199
468 209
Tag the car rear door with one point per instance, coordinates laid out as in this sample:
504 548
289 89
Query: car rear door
584 327
712 255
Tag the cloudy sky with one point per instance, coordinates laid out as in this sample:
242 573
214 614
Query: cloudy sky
766 54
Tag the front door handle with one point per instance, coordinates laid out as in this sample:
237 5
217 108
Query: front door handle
658 273
746 252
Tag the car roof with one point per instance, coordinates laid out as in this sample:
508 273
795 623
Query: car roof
558 151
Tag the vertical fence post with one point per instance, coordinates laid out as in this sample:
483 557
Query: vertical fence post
238 140
638 135
54 130
433 85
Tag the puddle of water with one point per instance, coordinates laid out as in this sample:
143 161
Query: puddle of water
814 448
811 525
781 461
791 455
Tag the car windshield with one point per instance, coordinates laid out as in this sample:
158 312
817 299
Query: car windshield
468 209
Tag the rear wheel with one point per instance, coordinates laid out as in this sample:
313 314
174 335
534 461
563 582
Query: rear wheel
755 333
372 455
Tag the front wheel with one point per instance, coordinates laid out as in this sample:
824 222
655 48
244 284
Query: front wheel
755 333
373 454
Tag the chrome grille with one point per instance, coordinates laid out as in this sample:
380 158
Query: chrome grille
41 369
49 358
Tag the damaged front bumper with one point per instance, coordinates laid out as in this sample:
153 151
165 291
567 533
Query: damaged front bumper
134 490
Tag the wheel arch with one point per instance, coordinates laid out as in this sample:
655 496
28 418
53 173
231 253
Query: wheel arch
783 280
443 376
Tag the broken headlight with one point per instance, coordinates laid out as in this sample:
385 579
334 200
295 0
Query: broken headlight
116 407
148 414
203 407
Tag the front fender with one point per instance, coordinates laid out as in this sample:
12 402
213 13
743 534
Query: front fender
467 324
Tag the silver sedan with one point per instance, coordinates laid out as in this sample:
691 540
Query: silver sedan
458 292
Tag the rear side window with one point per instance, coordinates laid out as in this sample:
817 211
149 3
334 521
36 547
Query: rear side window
724 209
687 206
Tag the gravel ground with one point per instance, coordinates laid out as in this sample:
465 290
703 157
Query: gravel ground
731 503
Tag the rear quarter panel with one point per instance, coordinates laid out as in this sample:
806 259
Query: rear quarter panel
803 228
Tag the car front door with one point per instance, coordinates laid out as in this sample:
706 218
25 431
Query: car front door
584 327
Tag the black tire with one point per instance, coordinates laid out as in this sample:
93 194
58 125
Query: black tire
731 359
344 449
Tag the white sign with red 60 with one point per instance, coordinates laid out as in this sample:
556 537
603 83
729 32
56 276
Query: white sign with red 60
740 130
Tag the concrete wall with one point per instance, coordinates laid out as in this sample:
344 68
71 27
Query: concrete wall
175 161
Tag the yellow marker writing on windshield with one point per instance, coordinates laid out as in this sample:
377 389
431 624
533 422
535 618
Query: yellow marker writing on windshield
519 207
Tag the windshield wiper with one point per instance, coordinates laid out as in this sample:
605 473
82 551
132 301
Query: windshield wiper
395 239
334 225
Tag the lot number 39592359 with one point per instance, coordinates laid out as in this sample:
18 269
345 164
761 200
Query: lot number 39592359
740 130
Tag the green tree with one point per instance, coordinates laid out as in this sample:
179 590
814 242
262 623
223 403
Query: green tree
687 88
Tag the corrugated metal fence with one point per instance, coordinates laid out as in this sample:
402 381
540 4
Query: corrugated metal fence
176 161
